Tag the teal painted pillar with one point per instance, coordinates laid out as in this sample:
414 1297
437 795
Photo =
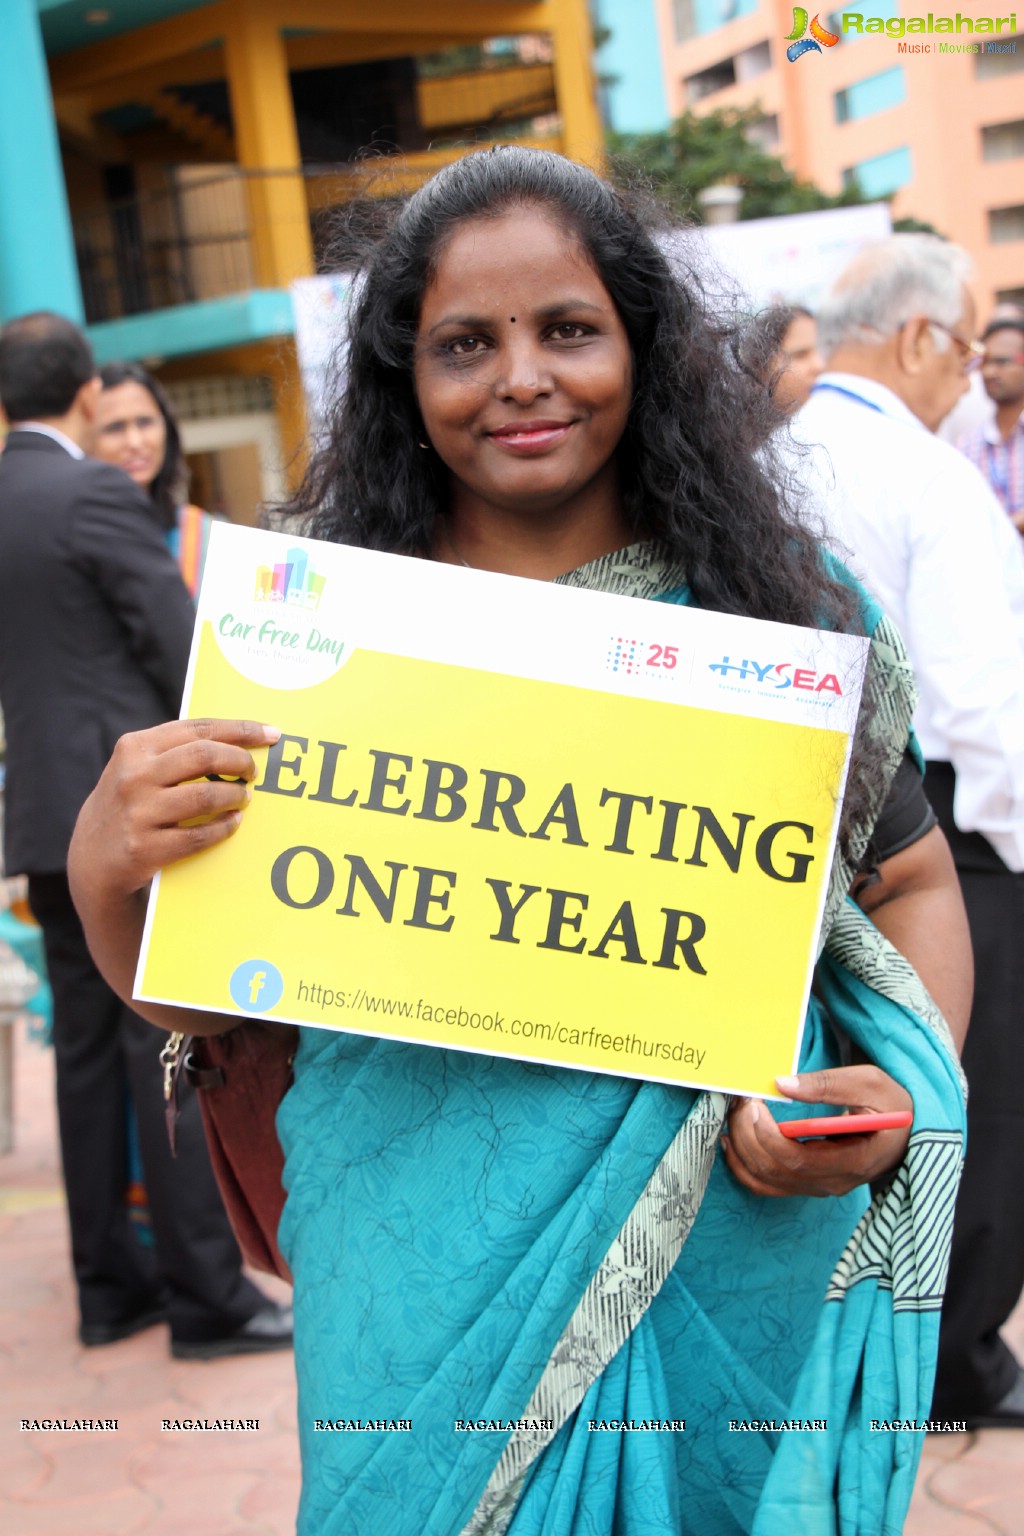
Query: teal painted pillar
37 249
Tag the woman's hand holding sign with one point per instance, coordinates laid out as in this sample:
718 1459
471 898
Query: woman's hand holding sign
166 793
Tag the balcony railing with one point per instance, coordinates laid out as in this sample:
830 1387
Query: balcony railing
191 240
198 237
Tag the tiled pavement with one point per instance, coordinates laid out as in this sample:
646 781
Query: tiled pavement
142 1479
139 1479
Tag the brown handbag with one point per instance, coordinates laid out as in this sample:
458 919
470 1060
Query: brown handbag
240 1079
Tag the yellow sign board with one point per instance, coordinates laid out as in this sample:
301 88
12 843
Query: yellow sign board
493 823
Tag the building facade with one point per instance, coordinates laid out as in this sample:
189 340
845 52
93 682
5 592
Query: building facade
632 81
933 119
169 167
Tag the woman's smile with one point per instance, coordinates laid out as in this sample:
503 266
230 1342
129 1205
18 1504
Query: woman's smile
529 437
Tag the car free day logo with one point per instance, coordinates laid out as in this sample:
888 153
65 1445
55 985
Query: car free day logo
855 23
276 628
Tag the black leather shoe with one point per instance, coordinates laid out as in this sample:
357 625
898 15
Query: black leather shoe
269 1328
94 1334
1008 1413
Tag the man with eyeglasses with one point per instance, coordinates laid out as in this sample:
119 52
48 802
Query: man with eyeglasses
923 530
997 449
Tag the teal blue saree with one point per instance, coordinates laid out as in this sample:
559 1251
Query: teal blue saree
532 1301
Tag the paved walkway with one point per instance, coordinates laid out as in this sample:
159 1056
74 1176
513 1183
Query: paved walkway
146 1480
139 1479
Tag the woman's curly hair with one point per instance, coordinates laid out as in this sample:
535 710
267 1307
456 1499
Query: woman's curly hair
696 464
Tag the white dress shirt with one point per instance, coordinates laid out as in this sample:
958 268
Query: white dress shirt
55 433
921 528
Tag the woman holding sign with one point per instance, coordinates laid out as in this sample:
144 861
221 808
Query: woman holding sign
575 1294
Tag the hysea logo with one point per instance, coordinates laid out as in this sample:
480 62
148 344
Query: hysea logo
778 674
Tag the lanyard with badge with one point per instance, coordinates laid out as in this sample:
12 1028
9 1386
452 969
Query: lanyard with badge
998 473
851 394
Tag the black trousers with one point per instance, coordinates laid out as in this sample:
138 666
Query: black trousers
986 1273
105 1054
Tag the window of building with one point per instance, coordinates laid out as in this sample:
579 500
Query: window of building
1005 224
1010 296
765 135
1003 141
708 81
714 13
684 22
875 94
696 18
754 61
882 174
993 66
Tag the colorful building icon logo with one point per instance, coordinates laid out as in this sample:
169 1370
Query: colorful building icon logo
799 44
292 581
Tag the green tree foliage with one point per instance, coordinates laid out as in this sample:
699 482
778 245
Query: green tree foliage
702 150
916 227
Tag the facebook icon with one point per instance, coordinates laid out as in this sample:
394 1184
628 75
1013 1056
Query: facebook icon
256 986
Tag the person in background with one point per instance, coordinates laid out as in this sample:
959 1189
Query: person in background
997 448
138 432
924 532
95 630
780 350
975 409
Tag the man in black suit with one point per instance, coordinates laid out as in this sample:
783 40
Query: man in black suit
95 627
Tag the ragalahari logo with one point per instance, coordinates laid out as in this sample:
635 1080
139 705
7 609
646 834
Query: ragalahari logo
799 44
292 581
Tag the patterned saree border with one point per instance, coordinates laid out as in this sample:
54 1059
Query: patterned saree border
902 1241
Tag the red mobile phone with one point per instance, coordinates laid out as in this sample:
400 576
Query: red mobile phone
847 1125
